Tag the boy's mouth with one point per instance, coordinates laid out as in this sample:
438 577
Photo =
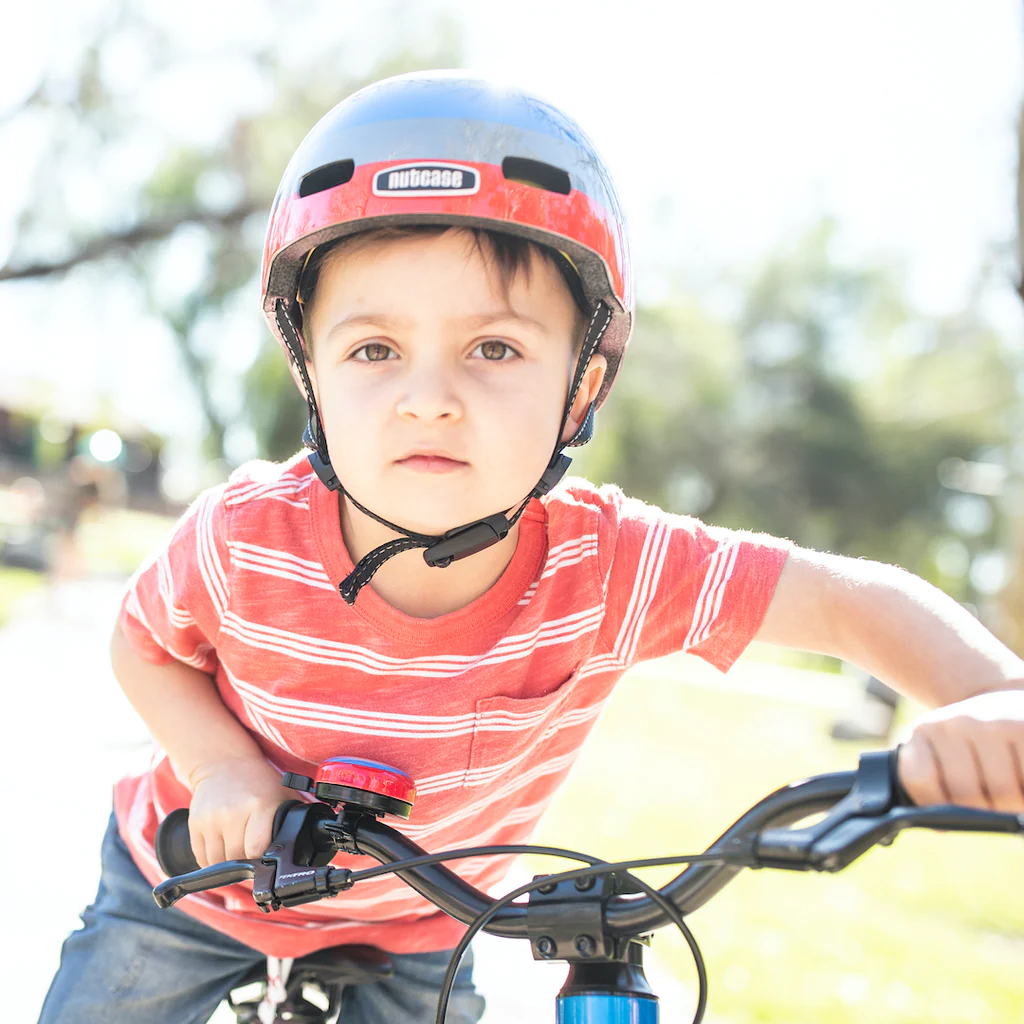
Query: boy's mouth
431 460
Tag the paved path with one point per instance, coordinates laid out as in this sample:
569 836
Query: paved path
71 734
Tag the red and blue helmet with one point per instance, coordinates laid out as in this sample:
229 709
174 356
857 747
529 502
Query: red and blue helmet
446 147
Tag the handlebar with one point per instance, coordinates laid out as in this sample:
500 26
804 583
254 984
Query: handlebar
862 808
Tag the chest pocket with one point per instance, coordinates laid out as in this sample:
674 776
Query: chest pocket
511 735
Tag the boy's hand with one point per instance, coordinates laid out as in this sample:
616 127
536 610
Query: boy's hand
232 809
970 753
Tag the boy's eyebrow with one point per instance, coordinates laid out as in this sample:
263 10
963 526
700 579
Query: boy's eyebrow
477 321
483 319
368 320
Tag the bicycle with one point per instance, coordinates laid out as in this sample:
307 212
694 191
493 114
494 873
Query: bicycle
597 918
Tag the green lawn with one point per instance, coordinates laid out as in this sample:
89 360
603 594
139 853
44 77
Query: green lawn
116 540
928 930
112 542
15 586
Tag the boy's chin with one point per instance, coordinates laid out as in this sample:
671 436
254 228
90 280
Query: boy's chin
433 526
435 522
424 510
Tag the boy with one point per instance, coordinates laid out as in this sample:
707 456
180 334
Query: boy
446 268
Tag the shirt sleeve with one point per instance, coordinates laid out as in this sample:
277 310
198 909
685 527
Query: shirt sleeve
677 584
176 600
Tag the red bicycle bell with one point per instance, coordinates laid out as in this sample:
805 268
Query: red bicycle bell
360 784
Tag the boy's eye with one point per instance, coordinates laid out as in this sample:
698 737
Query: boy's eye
495 351
373 352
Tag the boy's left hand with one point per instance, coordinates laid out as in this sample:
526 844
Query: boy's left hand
969 753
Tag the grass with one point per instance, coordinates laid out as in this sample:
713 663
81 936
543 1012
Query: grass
15 586
931 929
111 542
115 540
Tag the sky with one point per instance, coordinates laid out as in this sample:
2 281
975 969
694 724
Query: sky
730 127
747 121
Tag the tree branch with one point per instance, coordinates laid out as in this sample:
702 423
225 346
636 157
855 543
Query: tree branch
133 238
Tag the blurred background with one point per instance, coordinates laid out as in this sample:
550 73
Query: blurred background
824 202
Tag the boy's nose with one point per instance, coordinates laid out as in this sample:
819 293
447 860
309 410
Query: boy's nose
428 396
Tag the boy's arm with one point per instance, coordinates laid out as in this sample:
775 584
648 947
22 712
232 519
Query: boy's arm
919 640
235 792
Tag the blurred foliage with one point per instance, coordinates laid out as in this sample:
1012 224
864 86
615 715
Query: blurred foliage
277 411
819 407
15 586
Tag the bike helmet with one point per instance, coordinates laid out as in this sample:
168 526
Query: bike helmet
450 148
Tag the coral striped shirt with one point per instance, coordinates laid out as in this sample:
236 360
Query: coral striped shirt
486 707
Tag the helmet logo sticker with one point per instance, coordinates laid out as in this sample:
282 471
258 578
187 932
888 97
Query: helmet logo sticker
427 179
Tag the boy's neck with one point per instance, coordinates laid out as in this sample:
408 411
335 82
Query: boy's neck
411 586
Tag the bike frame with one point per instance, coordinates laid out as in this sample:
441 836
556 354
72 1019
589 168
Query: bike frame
605 1009
623 1002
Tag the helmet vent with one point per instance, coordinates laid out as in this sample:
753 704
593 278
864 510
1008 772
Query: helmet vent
326 176
534 172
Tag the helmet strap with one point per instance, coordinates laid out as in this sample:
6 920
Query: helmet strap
462 541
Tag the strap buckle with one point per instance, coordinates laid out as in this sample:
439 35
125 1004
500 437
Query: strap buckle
467 540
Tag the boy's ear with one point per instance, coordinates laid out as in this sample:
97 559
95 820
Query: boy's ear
590 387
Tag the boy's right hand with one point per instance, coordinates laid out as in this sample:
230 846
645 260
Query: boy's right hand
232 809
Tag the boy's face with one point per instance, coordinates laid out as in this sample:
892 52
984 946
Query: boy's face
441 401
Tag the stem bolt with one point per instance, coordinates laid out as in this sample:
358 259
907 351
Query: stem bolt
585 945
546 947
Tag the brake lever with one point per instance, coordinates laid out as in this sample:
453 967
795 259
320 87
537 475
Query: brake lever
848 840
293 869
227 872
874 811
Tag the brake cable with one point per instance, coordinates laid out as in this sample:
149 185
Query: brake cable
595 867
622 868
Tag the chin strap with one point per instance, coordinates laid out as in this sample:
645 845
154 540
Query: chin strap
462 541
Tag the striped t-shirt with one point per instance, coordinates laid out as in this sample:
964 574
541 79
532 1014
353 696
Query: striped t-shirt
485 707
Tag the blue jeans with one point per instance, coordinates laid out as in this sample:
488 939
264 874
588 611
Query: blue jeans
136 964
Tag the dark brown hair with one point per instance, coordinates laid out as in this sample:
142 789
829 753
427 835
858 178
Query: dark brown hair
507 254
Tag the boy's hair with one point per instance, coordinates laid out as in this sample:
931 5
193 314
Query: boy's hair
507 255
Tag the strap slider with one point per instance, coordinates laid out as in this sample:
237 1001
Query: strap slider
557 468
467 540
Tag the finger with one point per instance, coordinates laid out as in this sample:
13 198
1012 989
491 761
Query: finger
257 835
234 846
1017 750
195 838
919 773
999 770
959 768
214 849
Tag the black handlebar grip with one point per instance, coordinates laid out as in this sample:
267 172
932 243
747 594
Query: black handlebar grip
173 846
900 796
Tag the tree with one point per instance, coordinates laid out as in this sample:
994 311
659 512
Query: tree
821 410
203 202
